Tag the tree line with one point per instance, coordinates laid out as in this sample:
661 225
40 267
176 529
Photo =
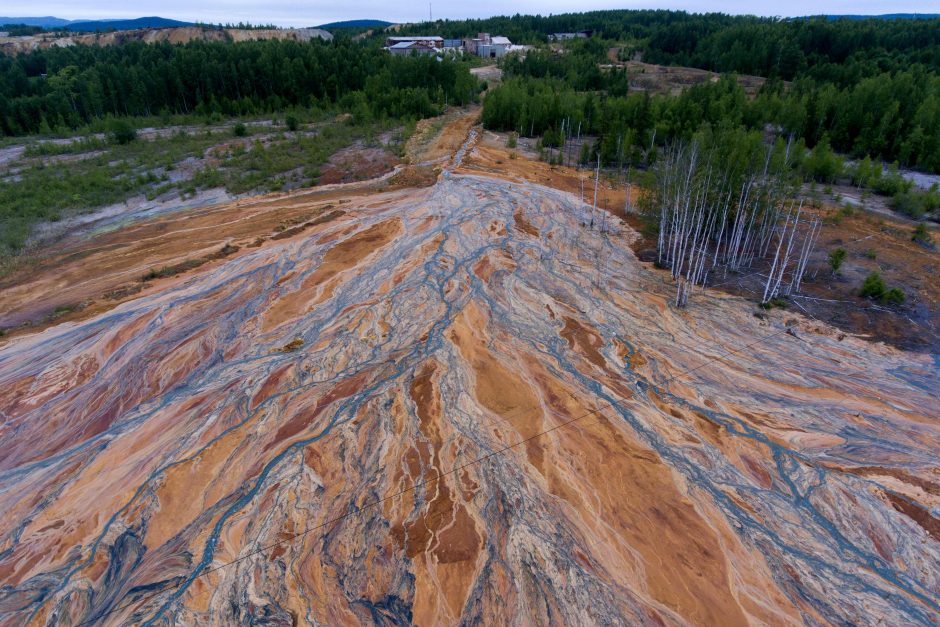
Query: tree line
832 50
66 88
722 202
894 116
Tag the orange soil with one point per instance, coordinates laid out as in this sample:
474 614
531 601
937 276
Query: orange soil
900 262
89 276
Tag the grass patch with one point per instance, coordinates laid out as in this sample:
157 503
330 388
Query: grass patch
78 146
173 270
123 292
63 310
921 235
46 192
778 303
284 232
189 264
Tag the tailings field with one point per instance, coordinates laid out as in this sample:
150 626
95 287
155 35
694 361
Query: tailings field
452 403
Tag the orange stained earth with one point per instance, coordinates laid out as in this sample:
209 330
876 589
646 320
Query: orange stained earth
451 403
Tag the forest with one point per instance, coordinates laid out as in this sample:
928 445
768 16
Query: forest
892 115
302 101
867 89
841 51
66 88
862 86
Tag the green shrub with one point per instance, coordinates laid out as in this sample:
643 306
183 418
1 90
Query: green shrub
873 287
240 130
774 302
552 138
822 164
121 132
891 182
894 296
910 204
292 123
915 203
920 234
836 258
511 142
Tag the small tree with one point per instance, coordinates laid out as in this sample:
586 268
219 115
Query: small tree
822 164
894 296
292 123
873 287
552 138
836 258
240 130
920 234
511 142
585 155
122 132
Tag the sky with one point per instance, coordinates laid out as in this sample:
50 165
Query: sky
314 12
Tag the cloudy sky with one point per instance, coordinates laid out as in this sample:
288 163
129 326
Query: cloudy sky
301 13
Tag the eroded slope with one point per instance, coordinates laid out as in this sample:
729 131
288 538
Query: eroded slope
461 405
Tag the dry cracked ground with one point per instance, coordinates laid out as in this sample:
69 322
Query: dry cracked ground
456 404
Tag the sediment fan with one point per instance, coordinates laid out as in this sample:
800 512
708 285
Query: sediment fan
458 403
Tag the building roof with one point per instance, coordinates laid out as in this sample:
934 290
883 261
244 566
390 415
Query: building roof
422 38
501 41
411 45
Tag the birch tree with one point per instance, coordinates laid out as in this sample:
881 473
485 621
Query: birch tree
722 205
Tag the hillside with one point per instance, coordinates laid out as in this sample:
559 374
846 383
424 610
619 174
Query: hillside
95 25
140 22
883 16
356 24
14 45
641 328
455 402
45 22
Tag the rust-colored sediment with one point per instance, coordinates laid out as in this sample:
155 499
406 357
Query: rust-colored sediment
446 405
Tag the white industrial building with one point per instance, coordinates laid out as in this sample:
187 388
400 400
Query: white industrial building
483 45
404 46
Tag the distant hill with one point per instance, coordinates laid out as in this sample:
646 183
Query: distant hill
140 22
176 35
885 16
44 22
95 25
356 24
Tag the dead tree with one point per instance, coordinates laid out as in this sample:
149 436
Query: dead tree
711 218
597 175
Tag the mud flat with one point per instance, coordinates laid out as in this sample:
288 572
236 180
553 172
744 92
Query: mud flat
458 404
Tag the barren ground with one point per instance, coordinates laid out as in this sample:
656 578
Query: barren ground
445 397
669 79
876 240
